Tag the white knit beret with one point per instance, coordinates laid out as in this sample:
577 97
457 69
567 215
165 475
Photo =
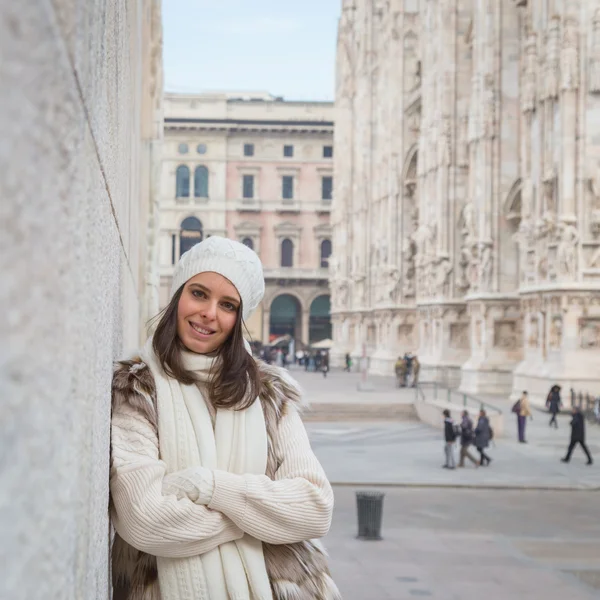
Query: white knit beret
229 258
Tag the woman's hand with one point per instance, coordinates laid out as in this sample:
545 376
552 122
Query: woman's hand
196 483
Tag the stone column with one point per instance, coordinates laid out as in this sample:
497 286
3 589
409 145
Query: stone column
569 87
305 326
266 326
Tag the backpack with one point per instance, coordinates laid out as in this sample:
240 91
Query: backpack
516 407
491 434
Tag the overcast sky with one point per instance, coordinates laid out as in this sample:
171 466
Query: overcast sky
284 47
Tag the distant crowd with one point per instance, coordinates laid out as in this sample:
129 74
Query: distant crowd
407 369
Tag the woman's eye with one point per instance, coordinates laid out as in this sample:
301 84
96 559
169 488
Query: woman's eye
198 294
229 306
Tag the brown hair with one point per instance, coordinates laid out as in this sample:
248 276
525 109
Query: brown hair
235 382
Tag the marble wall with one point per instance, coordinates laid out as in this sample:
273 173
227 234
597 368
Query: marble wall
80 121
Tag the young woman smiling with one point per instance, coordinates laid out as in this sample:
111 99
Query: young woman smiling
215 491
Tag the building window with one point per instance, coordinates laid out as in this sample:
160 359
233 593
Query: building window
182 182
248 149
190 234
287 253
248 242
183 148
201 182
327 187
327 151
201 149
325 253
248 186
287 187
288 151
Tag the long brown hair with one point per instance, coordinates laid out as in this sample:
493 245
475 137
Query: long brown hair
235 383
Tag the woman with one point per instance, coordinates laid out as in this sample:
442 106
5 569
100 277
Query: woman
215 492
483 435
554 404
466 439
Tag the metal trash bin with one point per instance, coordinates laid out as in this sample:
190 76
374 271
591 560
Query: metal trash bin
370 510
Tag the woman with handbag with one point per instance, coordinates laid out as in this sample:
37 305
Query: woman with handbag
215 491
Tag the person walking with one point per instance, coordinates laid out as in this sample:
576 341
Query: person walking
325 365
483 435
450 439
416 367
400 370
466 439
348 363
554 404
578 436
211 467
522 409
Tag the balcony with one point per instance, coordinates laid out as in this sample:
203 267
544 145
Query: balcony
248 205
288 206
296 273
324 207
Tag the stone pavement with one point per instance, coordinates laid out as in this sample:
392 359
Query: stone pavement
411 453
453 544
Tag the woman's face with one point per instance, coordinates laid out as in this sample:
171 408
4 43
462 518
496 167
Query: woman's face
207 312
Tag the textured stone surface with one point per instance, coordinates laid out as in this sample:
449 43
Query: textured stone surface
69 247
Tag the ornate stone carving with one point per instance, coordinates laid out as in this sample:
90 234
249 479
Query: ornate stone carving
589 334
459 336
410 253
594 75
487 265
552 58
556 330
530 67
567 250
534 333
505 334
569 60
444 272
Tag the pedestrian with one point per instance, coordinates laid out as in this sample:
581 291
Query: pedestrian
523 410
554 404
325 365
483 435
450 439
348 363
466 439
578 436
211 467
416 367
400 370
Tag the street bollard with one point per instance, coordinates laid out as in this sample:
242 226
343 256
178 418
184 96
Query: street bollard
370 511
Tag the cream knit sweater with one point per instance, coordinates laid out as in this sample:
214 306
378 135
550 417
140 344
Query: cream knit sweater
295 506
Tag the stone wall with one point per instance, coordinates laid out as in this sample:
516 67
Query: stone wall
80 95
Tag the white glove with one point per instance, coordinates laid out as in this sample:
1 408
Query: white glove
196 483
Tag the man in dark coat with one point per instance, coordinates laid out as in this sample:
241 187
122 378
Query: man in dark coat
449 439
466 439
483 435
554 404
577 436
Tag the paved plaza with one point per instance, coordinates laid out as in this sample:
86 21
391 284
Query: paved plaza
526 528
467 544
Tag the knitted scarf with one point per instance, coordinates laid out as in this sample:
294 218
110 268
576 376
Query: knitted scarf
238 444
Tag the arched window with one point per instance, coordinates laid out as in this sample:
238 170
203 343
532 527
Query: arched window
325 253
182 185
190 234
287 253
248 242
201 182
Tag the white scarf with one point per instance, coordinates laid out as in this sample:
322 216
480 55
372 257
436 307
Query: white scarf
238 444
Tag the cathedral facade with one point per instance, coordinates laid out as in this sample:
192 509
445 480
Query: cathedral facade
466 216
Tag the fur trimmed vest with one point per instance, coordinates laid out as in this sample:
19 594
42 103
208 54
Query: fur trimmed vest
296 571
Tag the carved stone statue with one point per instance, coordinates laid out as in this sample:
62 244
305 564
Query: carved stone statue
486 265
556 326
594 74
569 60
567 250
